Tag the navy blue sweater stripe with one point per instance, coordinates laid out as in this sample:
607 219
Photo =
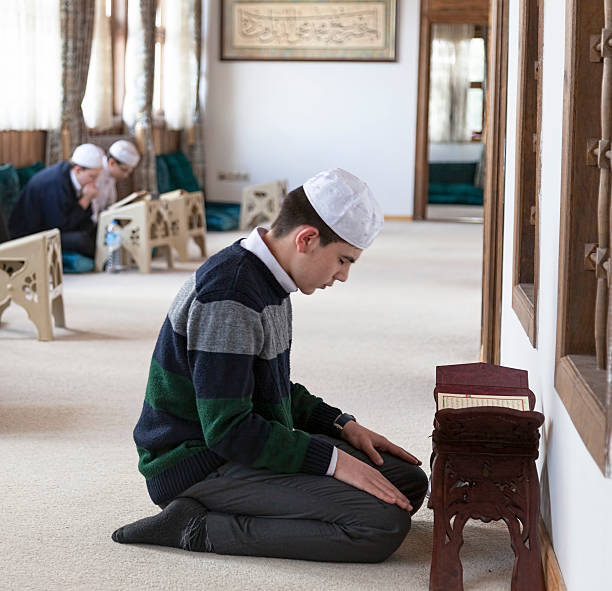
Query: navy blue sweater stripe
158 429
222 375
169 351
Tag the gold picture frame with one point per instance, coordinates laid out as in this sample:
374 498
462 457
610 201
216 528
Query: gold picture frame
309 30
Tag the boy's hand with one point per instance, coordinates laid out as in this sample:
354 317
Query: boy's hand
368 442
88 193
364 477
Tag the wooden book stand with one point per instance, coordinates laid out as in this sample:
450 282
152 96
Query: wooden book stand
187 218
31 276
261 203
144 226
483 467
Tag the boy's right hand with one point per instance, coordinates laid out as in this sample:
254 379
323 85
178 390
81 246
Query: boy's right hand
364 477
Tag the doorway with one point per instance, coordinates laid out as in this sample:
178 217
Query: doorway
455 138
491 18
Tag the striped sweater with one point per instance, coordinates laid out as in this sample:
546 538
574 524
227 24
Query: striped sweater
219 387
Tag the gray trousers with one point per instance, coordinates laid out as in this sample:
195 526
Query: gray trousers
256 512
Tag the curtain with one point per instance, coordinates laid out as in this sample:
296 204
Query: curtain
192 138
97 104
139 68
77 19
449 83
30 42
180 63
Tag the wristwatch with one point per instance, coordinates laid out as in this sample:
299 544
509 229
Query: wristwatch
341 420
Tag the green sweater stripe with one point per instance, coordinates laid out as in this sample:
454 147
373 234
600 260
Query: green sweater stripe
171 393
278 455
303 404
151 465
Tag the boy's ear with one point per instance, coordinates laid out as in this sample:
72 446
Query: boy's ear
306 239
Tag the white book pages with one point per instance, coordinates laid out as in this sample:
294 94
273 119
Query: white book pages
515 402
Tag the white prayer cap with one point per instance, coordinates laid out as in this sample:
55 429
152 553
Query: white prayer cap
88 156
346 204
125 152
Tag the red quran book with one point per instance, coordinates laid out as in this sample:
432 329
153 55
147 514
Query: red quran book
472 385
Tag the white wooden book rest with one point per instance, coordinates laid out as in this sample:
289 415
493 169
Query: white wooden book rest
261 203
187 216
31 276
144 226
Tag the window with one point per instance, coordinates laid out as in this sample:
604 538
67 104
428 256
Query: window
582 364
529 114
475 99
457 75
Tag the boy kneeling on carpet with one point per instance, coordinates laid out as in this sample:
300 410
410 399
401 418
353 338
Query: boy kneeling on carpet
240 459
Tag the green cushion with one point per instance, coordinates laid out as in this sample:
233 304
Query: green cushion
181 173
27 172
9 189
221 217
164 183
454 193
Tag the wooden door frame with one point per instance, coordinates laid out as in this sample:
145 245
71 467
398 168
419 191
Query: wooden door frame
472 12
495 157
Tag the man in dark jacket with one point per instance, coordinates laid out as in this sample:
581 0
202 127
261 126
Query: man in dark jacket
60 196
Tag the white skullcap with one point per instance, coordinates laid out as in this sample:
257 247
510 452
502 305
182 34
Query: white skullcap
88 155
346 204
125 152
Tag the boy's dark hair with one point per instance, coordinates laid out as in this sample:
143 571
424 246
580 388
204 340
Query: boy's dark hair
109 156
296 211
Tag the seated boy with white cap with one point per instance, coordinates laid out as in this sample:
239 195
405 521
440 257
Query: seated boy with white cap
242 460
60 196
119 164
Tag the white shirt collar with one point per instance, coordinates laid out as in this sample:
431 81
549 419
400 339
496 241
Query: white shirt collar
75 183
255 244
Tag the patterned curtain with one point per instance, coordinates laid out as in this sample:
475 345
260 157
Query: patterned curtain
77 19
138 104
192 139
98 101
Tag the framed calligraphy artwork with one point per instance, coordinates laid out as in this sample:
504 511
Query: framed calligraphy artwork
336 30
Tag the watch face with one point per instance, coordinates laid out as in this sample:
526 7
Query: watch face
343 419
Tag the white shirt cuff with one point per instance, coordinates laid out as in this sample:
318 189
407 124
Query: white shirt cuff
332 463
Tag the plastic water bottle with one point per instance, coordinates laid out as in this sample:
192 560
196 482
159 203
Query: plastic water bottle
112 240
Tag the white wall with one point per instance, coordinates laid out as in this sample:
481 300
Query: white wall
577 497
292 119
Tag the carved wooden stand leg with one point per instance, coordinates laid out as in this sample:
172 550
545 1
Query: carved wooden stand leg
201 242
527 572
195 215
446 568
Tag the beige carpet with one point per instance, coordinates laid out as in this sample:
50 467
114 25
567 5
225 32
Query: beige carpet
67 408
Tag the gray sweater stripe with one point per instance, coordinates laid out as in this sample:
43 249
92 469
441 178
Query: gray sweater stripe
180 306
228 326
